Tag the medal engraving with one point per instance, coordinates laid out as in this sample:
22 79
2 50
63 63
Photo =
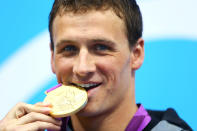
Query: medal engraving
66 100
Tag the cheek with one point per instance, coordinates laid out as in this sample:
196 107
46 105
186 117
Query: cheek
117 71
63 68
110 69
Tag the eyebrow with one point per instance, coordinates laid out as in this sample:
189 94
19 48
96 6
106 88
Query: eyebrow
60 43
102 40
97 40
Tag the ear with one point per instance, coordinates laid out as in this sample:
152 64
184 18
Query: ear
52 60
137 55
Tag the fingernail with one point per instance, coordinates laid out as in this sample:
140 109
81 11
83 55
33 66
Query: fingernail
47 104
46 109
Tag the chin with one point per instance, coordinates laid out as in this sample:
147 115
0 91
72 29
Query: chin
88 111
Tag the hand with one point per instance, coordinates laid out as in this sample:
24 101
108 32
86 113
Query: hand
25 117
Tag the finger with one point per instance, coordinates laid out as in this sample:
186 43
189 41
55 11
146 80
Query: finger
33 117
39 125
43 104
32 108
38 104
15 111
22 108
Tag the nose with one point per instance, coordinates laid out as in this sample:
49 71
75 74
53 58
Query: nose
84 65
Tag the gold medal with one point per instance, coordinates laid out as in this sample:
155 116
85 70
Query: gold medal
66 100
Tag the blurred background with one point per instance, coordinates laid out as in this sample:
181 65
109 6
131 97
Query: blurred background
166 79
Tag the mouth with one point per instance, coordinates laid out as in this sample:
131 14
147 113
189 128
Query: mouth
87 86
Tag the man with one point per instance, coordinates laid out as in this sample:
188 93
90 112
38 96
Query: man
96 45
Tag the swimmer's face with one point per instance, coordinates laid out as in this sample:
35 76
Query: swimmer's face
91 50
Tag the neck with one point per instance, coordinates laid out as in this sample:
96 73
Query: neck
110 120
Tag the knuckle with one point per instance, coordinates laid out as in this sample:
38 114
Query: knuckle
19 104
33 115
24 107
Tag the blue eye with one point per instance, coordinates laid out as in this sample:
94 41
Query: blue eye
70 48
101 47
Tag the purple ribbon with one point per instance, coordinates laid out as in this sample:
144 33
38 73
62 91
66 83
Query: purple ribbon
53 88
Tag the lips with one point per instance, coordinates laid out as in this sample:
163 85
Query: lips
87 86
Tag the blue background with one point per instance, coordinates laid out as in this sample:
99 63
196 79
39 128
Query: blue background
166 79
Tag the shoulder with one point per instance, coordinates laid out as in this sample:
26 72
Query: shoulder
167 120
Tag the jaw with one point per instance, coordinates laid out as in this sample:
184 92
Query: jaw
104 120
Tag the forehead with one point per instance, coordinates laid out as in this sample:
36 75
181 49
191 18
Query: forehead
89 24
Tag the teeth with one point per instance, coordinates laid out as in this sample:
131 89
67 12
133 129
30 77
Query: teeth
86 85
